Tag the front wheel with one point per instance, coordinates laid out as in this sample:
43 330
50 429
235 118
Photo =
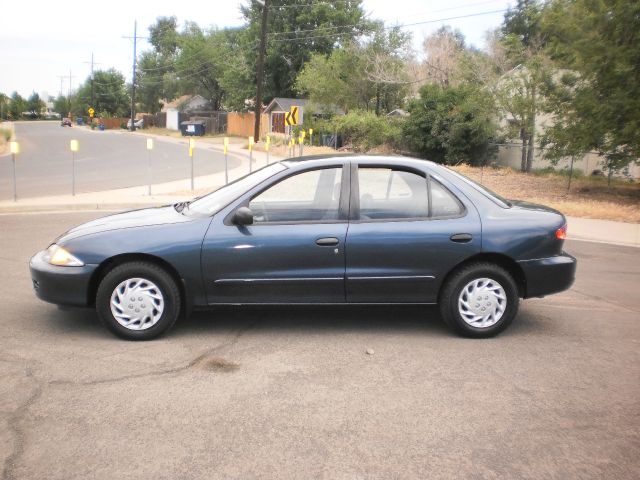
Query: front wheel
138 301
479 300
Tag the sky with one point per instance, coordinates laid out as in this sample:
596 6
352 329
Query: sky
41 41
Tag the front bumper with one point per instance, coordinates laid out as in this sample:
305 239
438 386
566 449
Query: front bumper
545 276
60 285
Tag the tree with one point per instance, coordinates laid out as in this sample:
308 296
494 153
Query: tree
452 125
61 105
17 106
519 88
297 30
111 95
596 101
35 104
4 104
444 50
368 74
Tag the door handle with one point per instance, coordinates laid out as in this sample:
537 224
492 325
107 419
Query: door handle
327 242
461 237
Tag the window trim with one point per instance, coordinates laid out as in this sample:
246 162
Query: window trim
354 210
343 202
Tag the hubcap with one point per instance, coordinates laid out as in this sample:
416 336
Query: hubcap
482 302
137 304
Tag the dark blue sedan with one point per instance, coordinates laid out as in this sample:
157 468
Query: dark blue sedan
331 230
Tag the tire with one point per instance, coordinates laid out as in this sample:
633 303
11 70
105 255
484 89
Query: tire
152 303
479 300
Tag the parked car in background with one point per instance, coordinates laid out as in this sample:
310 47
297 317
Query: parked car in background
66 122
137 123
336 230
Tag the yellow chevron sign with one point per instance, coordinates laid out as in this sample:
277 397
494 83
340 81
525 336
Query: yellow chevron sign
291 118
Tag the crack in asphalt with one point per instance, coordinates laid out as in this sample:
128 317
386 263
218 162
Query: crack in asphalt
601 299
15 419
166 371
14 422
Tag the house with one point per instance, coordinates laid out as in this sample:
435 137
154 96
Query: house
278 108
183 105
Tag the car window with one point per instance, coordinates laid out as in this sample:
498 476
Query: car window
305 197
443 202
386 193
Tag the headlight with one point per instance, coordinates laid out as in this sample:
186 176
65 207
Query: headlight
56 255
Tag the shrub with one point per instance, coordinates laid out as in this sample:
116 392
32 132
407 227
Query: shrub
364 130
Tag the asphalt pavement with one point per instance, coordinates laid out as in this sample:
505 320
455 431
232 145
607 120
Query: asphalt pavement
290 393
105 160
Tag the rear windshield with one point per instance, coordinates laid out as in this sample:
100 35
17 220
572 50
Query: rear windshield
503 202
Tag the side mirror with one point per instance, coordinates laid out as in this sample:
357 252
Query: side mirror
243 216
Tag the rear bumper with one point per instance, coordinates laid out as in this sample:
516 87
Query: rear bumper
545 276
60 285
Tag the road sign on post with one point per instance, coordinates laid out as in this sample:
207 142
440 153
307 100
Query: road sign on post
226 160
192 144
14 148
293 117
74 146
91 112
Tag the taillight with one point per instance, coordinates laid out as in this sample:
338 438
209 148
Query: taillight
561 233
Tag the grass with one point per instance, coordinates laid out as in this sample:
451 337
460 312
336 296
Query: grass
589 197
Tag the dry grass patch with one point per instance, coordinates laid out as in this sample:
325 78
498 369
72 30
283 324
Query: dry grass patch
588 197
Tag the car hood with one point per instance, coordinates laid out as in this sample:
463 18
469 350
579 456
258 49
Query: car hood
133 219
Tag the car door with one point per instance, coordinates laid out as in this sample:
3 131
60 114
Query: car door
407 230
294 250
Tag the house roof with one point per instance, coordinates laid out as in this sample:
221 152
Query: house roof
176 102
280 104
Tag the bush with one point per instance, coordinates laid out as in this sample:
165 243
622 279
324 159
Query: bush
364 130
6 134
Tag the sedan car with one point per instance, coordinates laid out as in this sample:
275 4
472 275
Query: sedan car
330 230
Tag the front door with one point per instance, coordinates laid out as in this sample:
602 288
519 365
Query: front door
292 253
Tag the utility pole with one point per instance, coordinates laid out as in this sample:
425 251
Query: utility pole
133 78
260 72
62 77
93 92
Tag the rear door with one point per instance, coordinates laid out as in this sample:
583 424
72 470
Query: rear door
407 230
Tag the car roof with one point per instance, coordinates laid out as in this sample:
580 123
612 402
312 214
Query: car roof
320 160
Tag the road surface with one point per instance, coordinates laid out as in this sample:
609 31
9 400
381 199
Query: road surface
290 393
106 160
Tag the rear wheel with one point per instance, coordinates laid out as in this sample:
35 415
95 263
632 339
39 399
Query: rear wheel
138 301
479 300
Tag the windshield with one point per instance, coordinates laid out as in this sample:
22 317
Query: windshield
503 202
215 201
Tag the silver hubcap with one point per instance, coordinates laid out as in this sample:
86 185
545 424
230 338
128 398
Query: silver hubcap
137 304
482 302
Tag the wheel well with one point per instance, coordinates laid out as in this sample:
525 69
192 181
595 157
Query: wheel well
509 264
112 262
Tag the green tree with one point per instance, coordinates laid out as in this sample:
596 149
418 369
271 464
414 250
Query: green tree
452 125
111 95
61 105
369 74
35 104
519 89
4 106
596 101
298 29
17 105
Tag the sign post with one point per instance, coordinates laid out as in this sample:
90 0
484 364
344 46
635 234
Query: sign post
74 146
91 112
267 144
301 141
149 148
251 142
192 144
226 160
311 137
15 149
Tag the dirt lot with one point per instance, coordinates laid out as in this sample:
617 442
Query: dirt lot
589 197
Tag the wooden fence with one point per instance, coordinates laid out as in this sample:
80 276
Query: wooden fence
242 124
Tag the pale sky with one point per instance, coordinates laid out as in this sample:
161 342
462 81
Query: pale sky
43 40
